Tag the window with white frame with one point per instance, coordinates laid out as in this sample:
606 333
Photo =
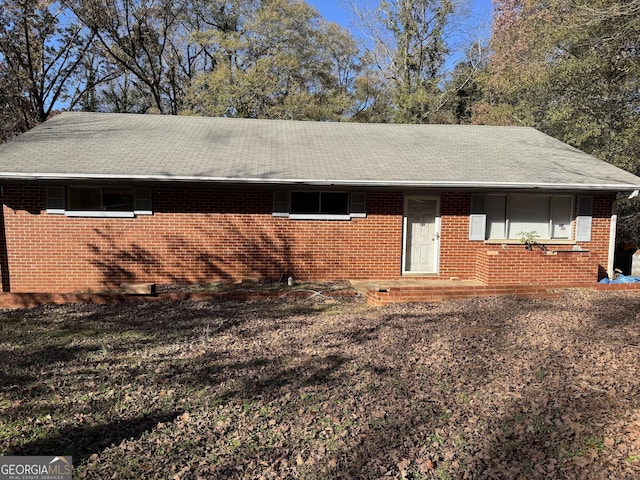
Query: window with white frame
99 201
512 216
322 205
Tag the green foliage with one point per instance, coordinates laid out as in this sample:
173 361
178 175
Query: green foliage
597 443
465 90
285 63
570 69
562 67
413 39
530 240
244 58
372 102
567 67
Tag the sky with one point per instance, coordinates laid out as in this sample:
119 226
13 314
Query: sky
478 23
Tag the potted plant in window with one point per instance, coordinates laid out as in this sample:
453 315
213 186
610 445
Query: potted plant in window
530 240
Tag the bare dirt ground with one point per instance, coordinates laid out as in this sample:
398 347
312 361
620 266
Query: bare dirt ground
487 388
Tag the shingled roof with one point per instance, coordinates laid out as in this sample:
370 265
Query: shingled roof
107 146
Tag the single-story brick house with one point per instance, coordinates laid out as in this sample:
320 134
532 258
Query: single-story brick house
94 200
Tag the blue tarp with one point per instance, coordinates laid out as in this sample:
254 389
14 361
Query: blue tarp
621 279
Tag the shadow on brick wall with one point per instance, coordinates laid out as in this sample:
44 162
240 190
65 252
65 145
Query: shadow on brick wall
178 258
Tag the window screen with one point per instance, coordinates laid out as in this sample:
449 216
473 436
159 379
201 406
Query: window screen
561 213
509 216
528 213
496 216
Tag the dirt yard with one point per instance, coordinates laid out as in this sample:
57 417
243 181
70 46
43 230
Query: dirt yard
495 388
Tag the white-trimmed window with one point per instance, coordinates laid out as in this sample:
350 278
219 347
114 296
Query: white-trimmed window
512 216
319 205
98 201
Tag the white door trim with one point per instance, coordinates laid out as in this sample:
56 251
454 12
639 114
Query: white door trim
405 239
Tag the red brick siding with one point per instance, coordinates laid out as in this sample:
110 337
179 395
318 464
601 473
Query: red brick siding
521 267
512 264
601 230
195 235
457 252
207 234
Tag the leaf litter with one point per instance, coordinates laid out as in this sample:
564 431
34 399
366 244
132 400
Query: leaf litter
483 388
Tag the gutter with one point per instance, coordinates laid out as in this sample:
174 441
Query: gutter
9 176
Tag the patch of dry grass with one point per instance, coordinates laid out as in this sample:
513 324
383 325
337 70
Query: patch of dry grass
486 388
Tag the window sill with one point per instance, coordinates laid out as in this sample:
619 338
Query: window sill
541 241
55 211
99 214
310 216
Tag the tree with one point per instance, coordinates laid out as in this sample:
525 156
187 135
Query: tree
42 48
278 59
464 89
16 115
142 37
407 41
372 99
571 69
569 74
124 94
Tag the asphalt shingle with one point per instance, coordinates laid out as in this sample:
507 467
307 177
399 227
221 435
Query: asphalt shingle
77 145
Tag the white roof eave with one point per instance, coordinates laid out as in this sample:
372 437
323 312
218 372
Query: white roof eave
614 187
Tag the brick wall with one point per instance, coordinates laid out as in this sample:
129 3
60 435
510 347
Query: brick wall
194 235
521 267
208 234
498 264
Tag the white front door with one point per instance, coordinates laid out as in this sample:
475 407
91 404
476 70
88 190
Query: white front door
421 233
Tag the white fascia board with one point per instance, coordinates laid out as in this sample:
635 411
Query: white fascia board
614 187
